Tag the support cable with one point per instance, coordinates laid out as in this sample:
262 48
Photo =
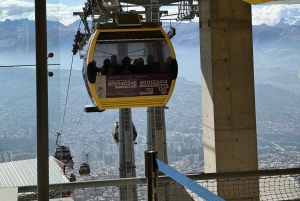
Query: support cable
110 122
65 107
25 65
80 116
79 121
63 120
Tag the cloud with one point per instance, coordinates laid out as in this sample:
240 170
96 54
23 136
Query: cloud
18 9
62 13
15 9
272 14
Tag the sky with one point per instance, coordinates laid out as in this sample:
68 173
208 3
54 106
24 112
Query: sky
62 10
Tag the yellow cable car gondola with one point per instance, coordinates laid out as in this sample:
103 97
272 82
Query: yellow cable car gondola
114 70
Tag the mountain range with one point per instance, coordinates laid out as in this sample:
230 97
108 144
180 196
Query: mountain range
276 65
274 46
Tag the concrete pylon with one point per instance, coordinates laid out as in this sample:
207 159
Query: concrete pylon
228 100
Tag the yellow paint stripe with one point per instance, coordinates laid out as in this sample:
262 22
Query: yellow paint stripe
257 1
90 58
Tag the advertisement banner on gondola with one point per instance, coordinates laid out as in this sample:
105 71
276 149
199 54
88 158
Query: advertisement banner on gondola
112 86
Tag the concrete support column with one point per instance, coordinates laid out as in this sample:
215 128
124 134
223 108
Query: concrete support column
228 100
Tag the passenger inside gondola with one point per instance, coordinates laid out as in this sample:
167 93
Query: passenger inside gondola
127 67
114 61
166 68
117 68
139 66
107 68
141 61
135 62
152 67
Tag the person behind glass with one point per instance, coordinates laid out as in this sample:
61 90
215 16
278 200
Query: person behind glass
135 62
166 68
152 67
104 70
116 66
136 66
140 66
126 66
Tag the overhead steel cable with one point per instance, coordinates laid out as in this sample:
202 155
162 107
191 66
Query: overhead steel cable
79 121
24 65
65 107
110 122
80 116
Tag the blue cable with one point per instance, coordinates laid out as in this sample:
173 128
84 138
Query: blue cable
187 182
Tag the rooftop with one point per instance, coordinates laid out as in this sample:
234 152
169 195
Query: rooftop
24 173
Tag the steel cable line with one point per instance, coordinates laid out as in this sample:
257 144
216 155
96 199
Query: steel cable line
80 116
65 107
24 65
110 122
79 120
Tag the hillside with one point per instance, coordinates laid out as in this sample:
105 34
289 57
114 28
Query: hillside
276 56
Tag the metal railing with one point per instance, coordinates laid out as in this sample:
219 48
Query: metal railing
279 184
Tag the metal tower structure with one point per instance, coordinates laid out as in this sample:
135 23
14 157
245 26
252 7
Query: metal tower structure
126 154
100 12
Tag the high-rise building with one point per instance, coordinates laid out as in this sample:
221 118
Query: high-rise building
108 158
11 131
4 132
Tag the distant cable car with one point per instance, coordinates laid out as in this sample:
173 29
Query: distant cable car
138 64
84 169
115 133
72 177
63 153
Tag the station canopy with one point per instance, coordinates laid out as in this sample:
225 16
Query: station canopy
270 2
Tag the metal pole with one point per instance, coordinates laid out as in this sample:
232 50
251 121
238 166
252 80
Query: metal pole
151 174
151 137
42 100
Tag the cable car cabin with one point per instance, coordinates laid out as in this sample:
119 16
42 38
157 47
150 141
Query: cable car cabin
84 170
72 177
130 67
115 133
63 154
